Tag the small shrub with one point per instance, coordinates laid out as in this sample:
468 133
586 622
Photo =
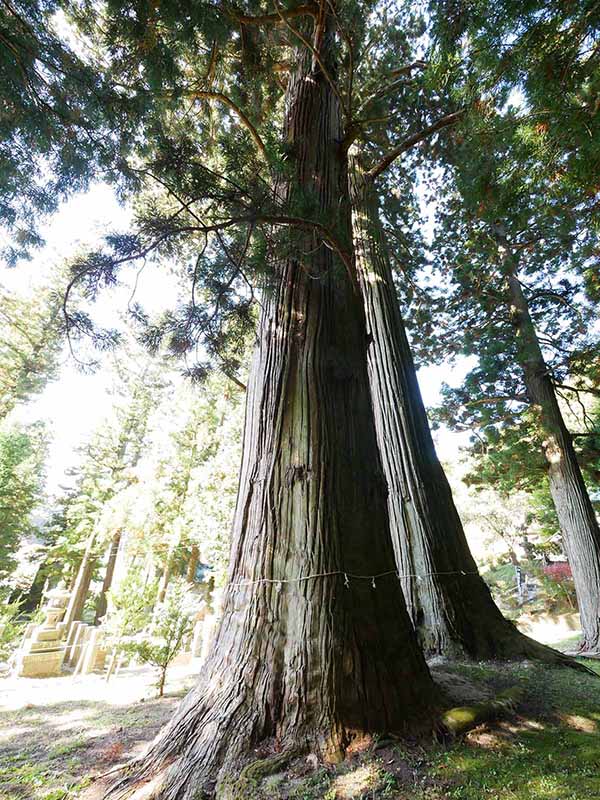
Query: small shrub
171 624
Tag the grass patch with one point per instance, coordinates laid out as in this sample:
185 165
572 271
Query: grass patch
66 748
569 643
551 751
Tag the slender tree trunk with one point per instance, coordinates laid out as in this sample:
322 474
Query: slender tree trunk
192 564
163 584
449 603
108 576
576 517
82 583
161 681
302 661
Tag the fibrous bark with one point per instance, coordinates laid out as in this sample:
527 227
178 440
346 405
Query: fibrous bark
576 517
306 655
449 603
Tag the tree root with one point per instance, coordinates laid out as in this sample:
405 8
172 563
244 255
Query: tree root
461 719
535 651
509 644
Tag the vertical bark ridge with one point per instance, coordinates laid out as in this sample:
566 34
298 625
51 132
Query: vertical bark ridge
450 605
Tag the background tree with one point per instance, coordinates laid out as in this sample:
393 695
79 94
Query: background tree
86 524
519 234
519 304
31 344
65 122
22 456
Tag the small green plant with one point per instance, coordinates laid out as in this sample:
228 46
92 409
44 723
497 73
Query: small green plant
130 606
172 622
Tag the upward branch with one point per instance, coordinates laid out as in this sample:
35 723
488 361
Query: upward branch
411 141
222 98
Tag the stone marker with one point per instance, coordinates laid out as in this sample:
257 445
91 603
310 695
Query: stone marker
41 655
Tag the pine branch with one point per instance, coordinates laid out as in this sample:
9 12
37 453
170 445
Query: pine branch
582 389
222 98
414 139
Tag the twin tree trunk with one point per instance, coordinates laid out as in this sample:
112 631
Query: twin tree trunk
576 517
449 603
302 660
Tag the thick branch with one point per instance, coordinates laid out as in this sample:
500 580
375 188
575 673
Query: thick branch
503 398
408 68
411 141
304 10
241 386
578 390
222 98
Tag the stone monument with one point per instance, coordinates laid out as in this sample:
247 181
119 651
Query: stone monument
42 654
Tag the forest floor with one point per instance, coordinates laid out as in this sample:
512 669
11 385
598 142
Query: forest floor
56 733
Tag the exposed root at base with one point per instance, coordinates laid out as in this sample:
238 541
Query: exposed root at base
535 651
461 719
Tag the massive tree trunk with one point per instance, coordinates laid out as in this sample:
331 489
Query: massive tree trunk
308 653
576 517
450 605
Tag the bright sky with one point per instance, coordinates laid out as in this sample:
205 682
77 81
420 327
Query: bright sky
76 402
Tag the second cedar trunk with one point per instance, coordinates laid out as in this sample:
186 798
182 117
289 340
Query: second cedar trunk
449 603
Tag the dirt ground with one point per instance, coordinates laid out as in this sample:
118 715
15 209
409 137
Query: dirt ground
56 732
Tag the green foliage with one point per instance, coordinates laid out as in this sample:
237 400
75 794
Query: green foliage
22 454
64 120
130 605
32 334
172 622
11 629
